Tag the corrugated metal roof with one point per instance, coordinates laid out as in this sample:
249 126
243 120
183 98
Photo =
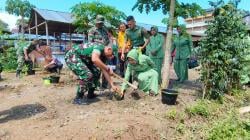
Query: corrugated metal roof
161 29
51 15
148 27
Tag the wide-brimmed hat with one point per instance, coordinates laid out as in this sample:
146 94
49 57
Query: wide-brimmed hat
99 19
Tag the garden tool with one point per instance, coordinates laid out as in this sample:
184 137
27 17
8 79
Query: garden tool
136 92
123 80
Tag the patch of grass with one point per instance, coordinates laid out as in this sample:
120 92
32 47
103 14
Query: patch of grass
181 128
172 114
200 108
229 129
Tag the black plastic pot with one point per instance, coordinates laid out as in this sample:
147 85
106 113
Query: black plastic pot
31 72
54 79
169 96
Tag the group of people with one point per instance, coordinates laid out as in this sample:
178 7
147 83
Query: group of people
24 50
140 56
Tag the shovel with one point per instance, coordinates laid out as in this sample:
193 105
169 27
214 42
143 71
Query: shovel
136 92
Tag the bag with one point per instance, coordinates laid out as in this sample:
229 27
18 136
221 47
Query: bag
193 63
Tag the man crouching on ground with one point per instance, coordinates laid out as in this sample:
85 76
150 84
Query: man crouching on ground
84 62
142 69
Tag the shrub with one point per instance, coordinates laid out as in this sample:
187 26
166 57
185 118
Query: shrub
200 108
9 59
231 128
222 52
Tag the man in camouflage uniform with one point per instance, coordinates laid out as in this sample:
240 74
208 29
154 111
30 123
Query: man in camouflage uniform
1 69
98 33
138 36
23 50
1 66
83 62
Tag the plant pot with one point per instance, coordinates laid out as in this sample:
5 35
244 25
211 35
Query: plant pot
54 79
169 96
31 72
46 81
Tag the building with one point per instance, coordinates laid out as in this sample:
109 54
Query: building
197 26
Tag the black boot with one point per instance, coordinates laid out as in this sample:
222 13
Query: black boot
91 94
80 101
18 73
79 98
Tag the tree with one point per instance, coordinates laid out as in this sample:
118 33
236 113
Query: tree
19 8
85 14
3 26
22 23
175 9
222 52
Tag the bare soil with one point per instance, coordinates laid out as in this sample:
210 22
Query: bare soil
30 110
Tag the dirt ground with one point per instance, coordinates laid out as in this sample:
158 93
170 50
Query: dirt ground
31 110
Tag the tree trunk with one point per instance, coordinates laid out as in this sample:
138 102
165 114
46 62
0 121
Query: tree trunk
22 26
166 63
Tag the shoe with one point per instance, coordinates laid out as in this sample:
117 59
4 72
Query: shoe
18 72
91 94
80 101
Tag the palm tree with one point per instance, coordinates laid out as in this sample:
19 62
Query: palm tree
19 8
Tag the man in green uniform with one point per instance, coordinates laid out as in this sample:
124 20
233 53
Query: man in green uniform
83 62
182 44
155 49
138 36
141 68
23 50
98 33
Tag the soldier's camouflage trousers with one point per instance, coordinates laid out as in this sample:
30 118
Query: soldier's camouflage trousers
1 67
87 72
21 62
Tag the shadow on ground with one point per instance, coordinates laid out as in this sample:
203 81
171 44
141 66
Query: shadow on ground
21 112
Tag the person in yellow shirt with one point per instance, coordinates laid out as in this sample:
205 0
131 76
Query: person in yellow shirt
121 41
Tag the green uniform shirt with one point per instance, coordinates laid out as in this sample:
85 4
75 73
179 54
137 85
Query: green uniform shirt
183 45
87 52
99 35
156 45
136 36
143 71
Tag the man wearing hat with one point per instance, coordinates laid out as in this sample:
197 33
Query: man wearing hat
23 51
98 33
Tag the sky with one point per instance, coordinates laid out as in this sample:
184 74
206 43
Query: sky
125 6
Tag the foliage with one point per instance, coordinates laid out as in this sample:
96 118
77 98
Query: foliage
183 10
200 108
3 26
19 8
9 59
230 128
172 114
85 14
222 51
